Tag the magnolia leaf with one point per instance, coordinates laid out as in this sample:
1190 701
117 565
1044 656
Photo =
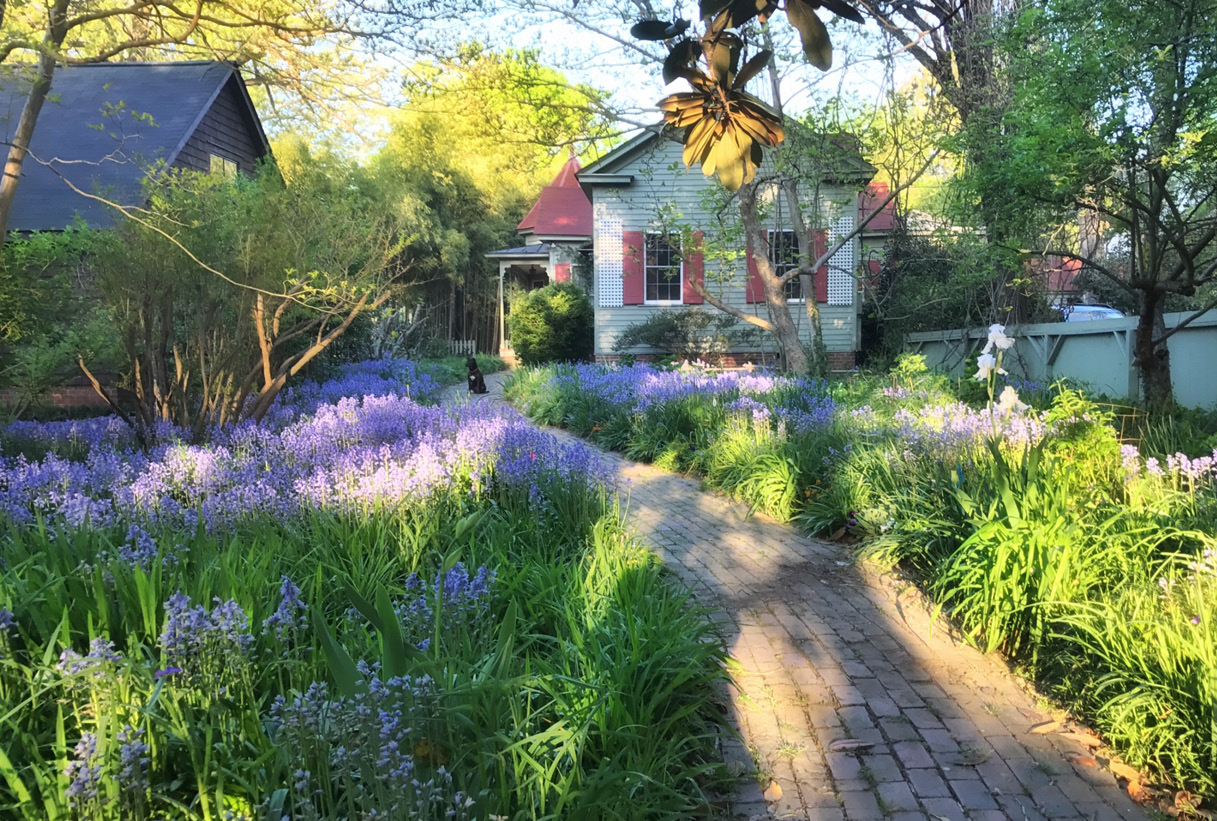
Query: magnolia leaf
699 140
1081 760
844 744
1045 727
1185 800
1124 771
709 8
729 155
679 59
773 792
751 68
842 9
650 30
723 58
1085 739
817 47
736 13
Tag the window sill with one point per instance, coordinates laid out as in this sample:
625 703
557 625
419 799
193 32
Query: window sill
662 303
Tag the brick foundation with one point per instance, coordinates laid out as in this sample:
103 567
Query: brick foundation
841 360
837 360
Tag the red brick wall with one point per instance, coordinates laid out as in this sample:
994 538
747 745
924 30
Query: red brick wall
841 360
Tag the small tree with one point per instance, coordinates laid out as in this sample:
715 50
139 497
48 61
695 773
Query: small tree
221 293
1112 122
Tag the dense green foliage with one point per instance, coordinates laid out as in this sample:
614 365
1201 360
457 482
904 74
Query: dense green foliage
1109 126
1091 565
939 282
552 324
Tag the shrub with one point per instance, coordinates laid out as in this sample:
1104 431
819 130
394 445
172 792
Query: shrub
687 333
552 324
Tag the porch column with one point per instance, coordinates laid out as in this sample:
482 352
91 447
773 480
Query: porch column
502 320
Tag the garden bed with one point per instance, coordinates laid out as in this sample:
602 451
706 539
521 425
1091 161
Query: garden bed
1040 534
367 607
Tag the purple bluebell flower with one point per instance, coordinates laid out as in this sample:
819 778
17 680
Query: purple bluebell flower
83 772
101 652
463 602
133 759
202 644
289 617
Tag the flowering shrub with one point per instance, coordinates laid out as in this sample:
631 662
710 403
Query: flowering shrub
348 611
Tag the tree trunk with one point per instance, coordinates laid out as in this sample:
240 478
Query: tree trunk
1151 356
794 355
20 145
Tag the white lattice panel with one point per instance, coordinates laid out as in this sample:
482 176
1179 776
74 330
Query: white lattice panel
841 265
609 271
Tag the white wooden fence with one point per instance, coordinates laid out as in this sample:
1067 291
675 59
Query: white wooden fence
1098 353
462 347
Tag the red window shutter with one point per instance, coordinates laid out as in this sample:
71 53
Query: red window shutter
562 272
821 245
633 261
755 291
694 271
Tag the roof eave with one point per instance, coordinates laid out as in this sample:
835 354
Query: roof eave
589 182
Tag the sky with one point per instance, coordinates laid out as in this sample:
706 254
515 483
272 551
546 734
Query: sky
861 72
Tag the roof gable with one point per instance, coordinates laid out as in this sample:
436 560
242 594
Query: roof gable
562 209
840 161
101 127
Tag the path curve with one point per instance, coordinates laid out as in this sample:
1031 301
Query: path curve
828 650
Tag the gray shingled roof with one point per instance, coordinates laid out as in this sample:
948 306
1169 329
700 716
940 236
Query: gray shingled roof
537 249
101 126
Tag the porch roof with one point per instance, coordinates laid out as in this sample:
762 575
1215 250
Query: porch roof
537 249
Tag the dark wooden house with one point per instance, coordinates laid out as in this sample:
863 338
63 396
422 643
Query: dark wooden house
105 127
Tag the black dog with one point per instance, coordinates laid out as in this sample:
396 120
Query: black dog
477 384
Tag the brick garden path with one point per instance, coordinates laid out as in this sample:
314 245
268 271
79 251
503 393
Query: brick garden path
827 650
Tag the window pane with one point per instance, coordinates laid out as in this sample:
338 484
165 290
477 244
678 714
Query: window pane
784 254
662 269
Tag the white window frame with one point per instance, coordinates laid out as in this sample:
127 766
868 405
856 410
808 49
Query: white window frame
647 267
781 268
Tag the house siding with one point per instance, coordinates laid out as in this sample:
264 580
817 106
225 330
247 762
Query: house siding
662 181
225 130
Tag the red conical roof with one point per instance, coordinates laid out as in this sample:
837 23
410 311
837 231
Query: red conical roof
562 209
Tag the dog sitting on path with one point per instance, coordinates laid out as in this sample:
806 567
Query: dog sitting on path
477 384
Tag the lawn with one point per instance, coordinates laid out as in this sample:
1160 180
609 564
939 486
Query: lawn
367 607
1037 530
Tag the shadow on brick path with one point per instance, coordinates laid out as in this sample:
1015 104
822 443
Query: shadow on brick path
828 650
